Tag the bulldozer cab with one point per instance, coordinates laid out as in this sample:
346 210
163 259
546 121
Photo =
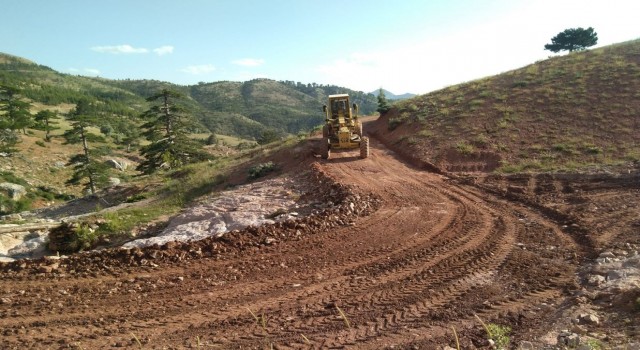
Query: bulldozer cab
339 108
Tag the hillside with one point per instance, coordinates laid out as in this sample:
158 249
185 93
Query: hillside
245 109
572 112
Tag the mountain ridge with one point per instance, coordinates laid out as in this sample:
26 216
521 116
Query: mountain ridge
246 109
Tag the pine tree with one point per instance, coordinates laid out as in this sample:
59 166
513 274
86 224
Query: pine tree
383 104
14 115
167 130
86 165
45 120
573 39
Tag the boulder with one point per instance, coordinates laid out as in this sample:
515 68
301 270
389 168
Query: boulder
14 191
589 319
117 164
114 181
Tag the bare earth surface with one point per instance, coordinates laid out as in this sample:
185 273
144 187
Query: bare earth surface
434 253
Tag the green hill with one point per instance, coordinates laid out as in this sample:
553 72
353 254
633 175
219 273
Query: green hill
575 111
232 108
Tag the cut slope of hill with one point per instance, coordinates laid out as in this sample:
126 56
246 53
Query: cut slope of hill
576 111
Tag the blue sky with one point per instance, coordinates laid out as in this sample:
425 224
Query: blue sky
403 45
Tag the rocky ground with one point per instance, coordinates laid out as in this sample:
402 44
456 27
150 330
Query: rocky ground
381 255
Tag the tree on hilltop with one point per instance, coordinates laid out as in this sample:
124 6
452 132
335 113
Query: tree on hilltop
573 39
167 129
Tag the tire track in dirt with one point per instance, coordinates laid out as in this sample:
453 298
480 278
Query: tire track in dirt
429 258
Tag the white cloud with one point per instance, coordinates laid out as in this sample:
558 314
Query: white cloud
119 49
249 62
428 61
91 71
199 69
85 71
163 50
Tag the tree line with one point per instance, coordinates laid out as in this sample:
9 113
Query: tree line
167 125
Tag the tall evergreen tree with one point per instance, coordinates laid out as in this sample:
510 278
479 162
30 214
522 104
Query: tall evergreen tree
15 109
167 129
45 120
383 104
14 115
86 165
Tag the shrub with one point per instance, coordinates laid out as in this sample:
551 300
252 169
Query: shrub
40 143
9 206
136 197
87 236
261 170
212 140
499 334
464 148
592 149
246 145
394 123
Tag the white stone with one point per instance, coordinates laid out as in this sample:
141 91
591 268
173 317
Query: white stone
14 191
525 345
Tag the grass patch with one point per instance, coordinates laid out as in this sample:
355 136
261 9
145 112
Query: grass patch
465 148
498 333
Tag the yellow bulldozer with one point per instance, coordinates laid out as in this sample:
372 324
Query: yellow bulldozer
342 129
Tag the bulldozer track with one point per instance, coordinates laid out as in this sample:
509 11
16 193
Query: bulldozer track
433 255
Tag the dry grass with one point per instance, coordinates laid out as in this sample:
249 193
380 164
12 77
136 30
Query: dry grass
586 101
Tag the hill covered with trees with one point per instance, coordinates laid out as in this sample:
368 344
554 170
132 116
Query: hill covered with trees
244 109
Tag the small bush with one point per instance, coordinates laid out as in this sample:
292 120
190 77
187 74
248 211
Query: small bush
592 149
481 140
394 123
594 344
87 236
499 334
261 170
212 140
6 176
40 143
9 206
136 197
464 148
561 147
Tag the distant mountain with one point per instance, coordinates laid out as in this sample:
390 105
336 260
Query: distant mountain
244 109
391 96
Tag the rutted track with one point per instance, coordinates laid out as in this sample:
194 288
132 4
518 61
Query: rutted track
432 256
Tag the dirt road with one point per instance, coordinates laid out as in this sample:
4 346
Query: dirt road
429 258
